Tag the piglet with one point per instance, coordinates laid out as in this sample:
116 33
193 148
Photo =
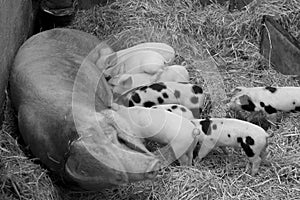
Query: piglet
163 127
174 73
222 132
143 61
186 94
125 82
267 99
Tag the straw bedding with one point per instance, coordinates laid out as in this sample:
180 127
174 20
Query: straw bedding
197 34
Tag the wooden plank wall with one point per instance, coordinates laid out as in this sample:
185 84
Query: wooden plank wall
16 24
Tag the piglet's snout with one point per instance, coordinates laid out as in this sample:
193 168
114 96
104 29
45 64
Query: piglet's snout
196 132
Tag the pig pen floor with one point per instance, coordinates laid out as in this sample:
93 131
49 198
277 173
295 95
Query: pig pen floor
233 40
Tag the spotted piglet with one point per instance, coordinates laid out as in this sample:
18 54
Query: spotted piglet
270 100
187 94
176 109
222 132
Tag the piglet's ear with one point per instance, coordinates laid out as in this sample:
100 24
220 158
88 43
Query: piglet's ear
111 60
244 99
114 81
126 81
237 89
115 106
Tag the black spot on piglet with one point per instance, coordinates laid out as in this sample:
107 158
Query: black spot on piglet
143 88
176 94
182 109
246 147
249 107
249 140
297 108
270 110
158 86
130 103
160 100
196 89
271 89
214 126
165 95
136 98
194 100
247 104
148 104
174 107
205 124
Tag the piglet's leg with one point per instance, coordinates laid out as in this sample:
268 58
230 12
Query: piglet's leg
263 156
183 160
255 164
263 153
255 116
191 150
190 158
224 150
204 150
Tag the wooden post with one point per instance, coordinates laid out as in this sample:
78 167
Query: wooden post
16 25
279 47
